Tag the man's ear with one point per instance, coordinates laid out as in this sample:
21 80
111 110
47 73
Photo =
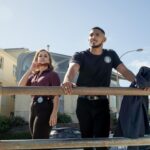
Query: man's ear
104 40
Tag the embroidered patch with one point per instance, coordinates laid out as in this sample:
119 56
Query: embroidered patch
40 100
107 59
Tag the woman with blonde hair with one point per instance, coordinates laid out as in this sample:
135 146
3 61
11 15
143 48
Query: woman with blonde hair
44 108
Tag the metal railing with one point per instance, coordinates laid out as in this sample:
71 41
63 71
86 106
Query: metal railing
56 90
72 143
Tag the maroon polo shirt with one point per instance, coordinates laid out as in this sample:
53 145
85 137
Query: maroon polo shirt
46 78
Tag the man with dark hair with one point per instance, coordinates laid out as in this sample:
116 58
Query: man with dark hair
98 28
94 66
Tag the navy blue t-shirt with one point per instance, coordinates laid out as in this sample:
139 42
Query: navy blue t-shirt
95 70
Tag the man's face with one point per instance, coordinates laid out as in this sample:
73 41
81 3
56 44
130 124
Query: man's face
96 38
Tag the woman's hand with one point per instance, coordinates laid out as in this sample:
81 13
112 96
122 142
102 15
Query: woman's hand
34 66
53 119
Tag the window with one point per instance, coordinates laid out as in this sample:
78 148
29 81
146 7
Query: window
1 62
14 70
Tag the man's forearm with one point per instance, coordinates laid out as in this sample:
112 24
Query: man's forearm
68 77
129 75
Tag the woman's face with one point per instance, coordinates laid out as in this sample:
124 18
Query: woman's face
43 58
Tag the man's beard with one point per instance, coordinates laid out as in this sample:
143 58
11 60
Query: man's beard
96 46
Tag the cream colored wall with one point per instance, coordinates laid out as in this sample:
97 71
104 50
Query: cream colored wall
7 79
22 106
7 105
6 74
70 102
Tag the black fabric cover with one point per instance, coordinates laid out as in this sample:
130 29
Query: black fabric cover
133 119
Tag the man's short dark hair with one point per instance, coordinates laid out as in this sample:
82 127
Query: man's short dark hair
98 28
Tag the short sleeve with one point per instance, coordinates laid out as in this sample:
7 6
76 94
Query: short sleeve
54 79
76 58
116 59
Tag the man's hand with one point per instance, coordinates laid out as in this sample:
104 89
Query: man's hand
147 89
67 87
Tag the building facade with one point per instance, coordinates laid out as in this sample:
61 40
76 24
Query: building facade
8 64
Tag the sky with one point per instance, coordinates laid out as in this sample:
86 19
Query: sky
65 25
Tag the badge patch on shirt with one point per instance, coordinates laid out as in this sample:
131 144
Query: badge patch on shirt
107 59
40 100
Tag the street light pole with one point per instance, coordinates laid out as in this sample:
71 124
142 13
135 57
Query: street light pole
118 101
136 50
48 47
